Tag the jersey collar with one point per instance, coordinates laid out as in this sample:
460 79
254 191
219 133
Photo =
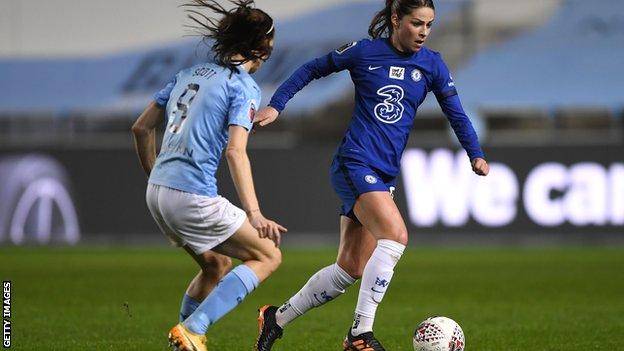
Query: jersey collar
402 54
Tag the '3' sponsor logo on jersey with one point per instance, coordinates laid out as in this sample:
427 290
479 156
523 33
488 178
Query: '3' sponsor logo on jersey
391 109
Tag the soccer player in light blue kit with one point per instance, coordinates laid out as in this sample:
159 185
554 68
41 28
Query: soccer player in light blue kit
392 74
210 107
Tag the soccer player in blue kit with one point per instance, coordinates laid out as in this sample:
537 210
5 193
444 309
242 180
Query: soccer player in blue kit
392 74
209 108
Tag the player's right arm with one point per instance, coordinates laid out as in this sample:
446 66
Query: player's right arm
336 61
144 131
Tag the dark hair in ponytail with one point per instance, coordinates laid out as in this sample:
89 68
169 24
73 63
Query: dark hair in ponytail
381 25
242 30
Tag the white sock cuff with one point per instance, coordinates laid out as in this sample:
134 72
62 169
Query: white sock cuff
391 247
343 278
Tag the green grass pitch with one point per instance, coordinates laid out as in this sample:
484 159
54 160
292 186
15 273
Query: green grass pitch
505 299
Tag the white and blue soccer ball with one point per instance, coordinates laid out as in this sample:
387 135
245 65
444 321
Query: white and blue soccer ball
439 334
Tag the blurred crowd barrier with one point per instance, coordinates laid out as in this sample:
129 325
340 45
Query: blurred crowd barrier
538 71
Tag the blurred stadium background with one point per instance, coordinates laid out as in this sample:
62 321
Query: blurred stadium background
539 78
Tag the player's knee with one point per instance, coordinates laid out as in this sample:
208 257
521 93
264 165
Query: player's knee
272 259
398 234
403 238
355 271
225 264
276 258
216 265
354 268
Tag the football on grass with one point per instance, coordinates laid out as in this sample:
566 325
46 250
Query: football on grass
439 334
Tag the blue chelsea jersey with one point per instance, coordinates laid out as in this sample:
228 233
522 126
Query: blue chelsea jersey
201 103
389 87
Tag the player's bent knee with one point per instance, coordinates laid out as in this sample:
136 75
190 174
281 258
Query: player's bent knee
271 259
225 263
353 269
216 265
275 259
355 272
398 234
403 238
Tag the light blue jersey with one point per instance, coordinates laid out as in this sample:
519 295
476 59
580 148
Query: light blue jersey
201 103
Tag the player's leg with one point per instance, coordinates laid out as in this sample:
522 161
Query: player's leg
259 254
356 246
366 193
260 258
156 195
380 216
331 281
213 267
201 223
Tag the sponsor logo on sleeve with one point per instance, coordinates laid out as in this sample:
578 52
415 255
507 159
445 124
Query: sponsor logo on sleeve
252 110
345 47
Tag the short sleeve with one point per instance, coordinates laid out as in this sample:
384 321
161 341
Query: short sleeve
162 97
244 102
345 56
443 85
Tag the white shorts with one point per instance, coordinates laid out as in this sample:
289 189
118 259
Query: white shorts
200 222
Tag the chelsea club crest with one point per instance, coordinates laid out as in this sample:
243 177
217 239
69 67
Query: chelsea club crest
370 179
416 75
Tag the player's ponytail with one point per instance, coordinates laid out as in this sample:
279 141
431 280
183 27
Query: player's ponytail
243 30
381 25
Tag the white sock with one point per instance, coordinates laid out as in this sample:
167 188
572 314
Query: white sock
375 280
324 286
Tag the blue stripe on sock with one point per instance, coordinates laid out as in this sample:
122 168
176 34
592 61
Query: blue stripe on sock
189 305
247 277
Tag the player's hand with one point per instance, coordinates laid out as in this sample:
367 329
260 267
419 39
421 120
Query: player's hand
267 228
266 116
480 167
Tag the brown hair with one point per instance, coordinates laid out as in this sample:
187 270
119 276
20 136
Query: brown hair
382 25
241 30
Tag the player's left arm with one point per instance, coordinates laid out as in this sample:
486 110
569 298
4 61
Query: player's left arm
444 89
452 108
240 167
144 131
240 171
243 102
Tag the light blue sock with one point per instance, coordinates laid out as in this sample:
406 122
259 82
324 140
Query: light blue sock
230 292
189 305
